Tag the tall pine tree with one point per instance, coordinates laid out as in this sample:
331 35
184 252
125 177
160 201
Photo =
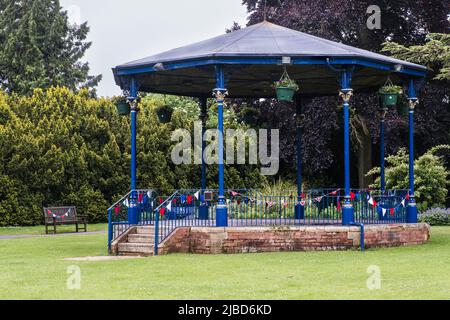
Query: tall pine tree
39 48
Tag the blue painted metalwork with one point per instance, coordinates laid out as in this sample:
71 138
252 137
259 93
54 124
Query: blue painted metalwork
382 149
412 208
220 92
299 209
247 208
118 213
132 210
346 92
233 60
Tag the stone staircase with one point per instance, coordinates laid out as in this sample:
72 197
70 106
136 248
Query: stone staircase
139 241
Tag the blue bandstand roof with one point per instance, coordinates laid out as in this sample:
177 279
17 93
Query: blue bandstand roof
253 61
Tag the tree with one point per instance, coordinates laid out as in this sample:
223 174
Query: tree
431 176
435 54
39 48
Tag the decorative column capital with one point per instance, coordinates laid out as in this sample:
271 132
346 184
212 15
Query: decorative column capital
133 102
300 119
413 102
346 95
220 94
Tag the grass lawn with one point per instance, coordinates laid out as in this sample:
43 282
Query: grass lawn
33 268
41 229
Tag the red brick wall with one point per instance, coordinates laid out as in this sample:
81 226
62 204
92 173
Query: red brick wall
266 239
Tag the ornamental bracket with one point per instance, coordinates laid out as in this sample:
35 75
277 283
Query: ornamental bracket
346 95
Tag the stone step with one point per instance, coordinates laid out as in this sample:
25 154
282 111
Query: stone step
145 230
144 249
141 238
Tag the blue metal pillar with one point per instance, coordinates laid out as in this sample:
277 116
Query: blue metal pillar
299 209
348 214
203 208
382 149
220 92
133 210
411 214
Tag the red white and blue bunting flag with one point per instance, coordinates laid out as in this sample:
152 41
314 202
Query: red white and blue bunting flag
318 199
302 203
117 210
197 195
235 194
162 211
50 213
169 206
338 204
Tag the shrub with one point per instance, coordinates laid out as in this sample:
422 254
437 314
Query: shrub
436 217
431 176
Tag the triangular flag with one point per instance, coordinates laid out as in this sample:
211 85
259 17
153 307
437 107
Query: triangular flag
140 197
117 210
189 199
197 195
352 196
302 203
303 196
318 199
169 206
339 205
149 194
374 204
162 211
161 200
384 211
392 212
407 197
403 202
126 203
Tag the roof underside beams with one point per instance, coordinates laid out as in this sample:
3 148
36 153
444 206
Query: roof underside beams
253 77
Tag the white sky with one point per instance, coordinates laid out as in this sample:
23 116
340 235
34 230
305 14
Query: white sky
125 30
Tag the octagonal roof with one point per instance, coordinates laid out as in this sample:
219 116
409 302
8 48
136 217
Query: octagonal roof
253 57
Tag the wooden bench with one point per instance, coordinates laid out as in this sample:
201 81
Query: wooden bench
58 216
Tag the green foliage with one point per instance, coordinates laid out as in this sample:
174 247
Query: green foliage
434 54
391 89
431 176
39 48
436 217
58 147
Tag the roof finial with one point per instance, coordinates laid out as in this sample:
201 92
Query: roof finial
265 10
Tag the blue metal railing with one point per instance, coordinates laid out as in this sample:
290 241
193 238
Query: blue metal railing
118 214
249 207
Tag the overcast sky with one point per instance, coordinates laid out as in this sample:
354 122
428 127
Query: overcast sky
125 30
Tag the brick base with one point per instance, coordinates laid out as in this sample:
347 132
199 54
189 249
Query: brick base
275 239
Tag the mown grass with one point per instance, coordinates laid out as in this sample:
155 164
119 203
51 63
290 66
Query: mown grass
36 230
34 268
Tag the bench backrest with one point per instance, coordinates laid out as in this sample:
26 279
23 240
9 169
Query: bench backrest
61 214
